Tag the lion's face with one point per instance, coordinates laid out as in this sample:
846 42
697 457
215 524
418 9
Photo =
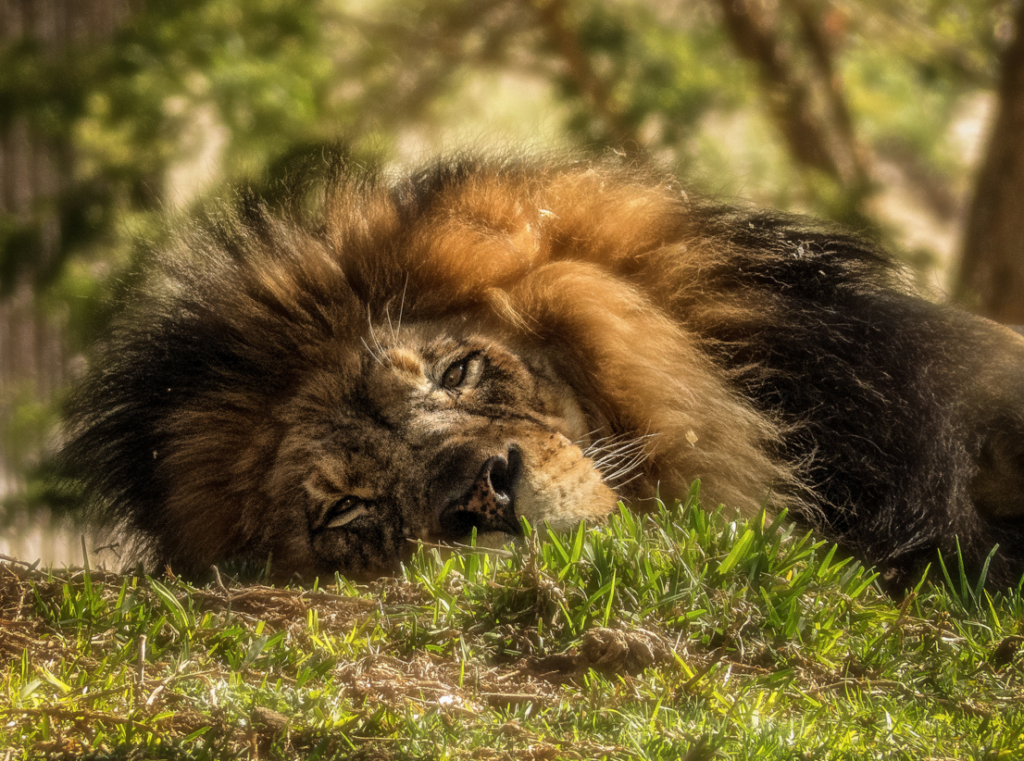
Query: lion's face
424 433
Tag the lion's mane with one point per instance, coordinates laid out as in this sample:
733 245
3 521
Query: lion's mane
775 359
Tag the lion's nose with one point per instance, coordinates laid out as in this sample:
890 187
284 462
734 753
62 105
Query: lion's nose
489 502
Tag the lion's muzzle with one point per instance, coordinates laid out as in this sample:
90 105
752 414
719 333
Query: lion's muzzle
486 501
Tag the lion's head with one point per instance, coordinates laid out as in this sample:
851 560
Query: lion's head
424 356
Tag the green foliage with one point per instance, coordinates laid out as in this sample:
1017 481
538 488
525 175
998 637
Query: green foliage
673 70
909 69
125 109
260 77
650 638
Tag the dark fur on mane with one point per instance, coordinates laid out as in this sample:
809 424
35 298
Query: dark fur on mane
870 379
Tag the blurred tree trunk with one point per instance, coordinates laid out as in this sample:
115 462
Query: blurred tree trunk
992 268
802 91
33 170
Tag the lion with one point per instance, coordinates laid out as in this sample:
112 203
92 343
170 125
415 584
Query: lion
390 357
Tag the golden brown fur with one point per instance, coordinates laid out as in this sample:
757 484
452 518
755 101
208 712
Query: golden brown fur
283 383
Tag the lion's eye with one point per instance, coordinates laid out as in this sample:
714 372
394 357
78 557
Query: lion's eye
465 373
344 511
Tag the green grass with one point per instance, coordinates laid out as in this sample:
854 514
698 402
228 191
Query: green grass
678 635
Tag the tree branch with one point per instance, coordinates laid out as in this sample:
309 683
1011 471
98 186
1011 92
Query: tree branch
789 98
853 160
595 91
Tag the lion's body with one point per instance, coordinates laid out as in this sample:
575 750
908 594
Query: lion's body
481 341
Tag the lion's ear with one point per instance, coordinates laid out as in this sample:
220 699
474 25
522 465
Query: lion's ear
998 486
992 404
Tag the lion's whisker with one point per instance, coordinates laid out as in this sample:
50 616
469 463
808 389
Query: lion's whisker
373 337
372 353
590 433
620 484
617 456
628 466
606 441
401 304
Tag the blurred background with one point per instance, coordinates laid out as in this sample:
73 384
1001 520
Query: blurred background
901 118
